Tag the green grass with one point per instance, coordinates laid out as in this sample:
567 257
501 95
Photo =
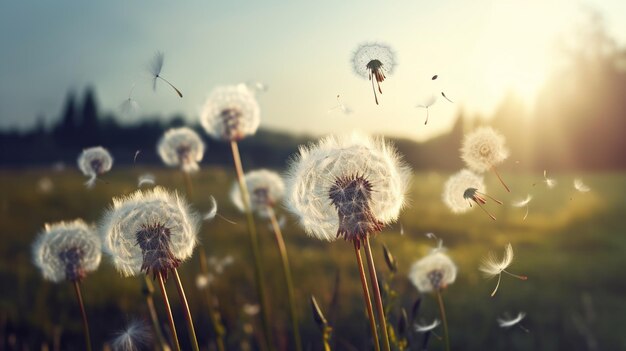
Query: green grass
571 247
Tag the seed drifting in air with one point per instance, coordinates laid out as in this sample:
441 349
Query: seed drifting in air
155 69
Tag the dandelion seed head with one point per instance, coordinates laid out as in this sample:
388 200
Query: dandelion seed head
509 322
181 147
266 189
332 177
483 148
67 251
433 272
231 113
95 161
455 190
151 231
492 266
135 337
373 56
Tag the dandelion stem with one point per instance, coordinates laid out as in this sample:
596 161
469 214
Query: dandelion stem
254 244
366 296
374 88
442 310
149 290
168 308
288 278
183 301
79 297
500 178
377 296
188 185
214 314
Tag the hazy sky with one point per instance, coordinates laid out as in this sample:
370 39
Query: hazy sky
480 49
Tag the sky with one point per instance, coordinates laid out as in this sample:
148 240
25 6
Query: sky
481 50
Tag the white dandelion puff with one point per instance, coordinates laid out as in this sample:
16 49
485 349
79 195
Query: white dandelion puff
93 162
509 322
580 186
156 66
463 188
67 251
347 186
150 231
523 203
374 62
484 149
135 337
146 179
181 147
212 212
433 272
423 328
266 189
493 267
231 113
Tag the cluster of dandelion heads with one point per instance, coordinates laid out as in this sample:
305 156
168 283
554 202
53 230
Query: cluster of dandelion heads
231 113
181 147
483 149
266 190
454 190
93 162
433 272
346 186
149 231
67 251
135 337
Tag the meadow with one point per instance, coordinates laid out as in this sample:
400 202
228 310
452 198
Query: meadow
570 246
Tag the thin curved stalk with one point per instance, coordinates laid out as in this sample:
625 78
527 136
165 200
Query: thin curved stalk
288 279
366 296
168 308
442 310
149 290
79 297
254 245
500 178
183 300
377 296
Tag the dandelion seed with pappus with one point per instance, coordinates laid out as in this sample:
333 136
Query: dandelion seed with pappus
493 267
93 162
374 62
350 187
156 66
463 188
68 251
484 149
135 337
508 322
181 147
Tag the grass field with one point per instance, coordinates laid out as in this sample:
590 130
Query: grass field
571 246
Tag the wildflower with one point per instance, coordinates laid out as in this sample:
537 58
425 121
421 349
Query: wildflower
433 272
145 179
231 113
580 186
523 203
150 231
67 251
155 69
135 337
266 189
483 149
347 186
181 147
373 61
423 328
492 267
93 162
462 189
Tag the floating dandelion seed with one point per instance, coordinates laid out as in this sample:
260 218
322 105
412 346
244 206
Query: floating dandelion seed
580 186
433 272
266 189
129 105
231 113
181 147
462 188
93 162
426 104
136 154
372 61
251 309
155 69
492 267
145 179
445 97
212 212
423 328
523 203
434 77
135 337
204 280
483 149
341 107
507 322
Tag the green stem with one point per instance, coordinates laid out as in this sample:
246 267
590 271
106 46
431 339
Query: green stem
183 301
366 296
168 308
254 245
377 296
149 290
288 278
79 297
442 310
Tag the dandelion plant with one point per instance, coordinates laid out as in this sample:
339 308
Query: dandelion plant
93 162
